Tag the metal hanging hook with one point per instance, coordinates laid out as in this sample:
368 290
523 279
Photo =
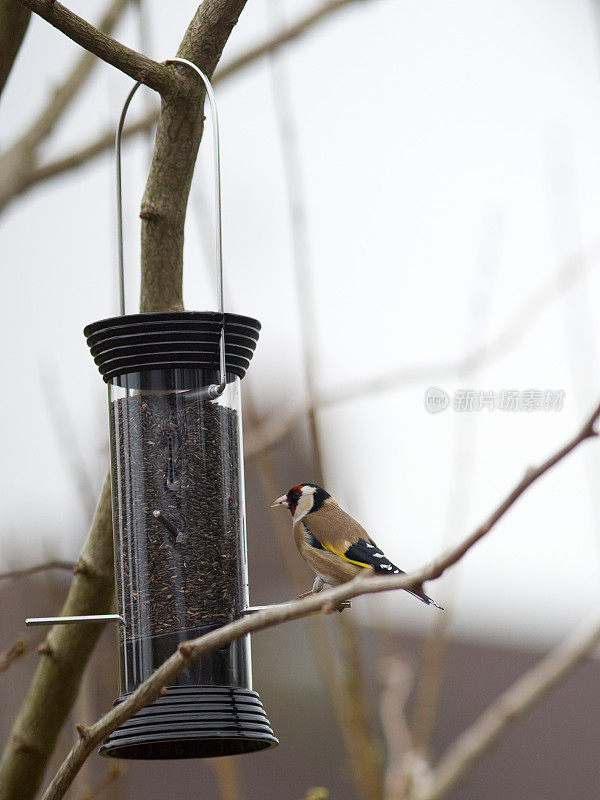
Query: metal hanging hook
213 391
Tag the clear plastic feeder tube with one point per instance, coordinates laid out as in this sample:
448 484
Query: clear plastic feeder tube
179 522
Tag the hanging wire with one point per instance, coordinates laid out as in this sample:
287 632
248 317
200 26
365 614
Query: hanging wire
215 390
118 137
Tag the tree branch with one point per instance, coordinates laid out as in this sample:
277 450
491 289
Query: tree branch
14 20
180 128
404 767
18 162
136 65
266 434
66 92
465 751
14 652
274 42
56 682
367 583
587 431
47 565
32 174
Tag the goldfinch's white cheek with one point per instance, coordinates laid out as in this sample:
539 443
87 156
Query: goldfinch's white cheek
304 506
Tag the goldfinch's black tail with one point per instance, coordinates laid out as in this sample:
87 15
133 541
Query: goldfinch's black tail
424 598
387 568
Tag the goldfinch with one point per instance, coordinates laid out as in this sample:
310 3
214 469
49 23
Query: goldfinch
332 543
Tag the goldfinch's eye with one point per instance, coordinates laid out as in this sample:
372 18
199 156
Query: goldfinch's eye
296 495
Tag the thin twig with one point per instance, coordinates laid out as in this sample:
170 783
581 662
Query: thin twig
54 687
69 446
521 321
276 427
396 684
16 651
429 685
466 750
366 583
47 565
35 174
136 65
281 37
19 162
361 739
431 674
64 94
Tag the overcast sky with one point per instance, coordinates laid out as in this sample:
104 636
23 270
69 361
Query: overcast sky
449 161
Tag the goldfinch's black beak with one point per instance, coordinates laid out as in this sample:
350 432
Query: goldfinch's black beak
281 501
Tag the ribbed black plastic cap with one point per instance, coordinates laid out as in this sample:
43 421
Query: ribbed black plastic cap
194 722
186 339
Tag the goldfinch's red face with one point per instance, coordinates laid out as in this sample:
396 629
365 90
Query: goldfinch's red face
299 495
293 498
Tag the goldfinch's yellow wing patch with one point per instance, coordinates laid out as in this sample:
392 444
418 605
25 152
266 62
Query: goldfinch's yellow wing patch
345 554
364 553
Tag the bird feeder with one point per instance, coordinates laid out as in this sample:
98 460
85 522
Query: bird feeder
179 517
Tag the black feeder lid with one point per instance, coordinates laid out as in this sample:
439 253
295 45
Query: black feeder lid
170 340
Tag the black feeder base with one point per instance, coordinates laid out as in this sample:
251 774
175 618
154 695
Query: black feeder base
194 722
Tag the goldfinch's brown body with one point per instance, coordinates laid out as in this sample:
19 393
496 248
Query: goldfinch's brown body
333 544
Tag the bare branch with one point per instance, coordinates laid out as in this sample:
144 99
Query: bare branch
366 750
535 304
402 765
274 42
464 752
16 651
136 65
32 174
47 565
69 445
429 685
18 162
66 92
64 655
354 711
14 20
227 774
80 157
453 555
178 136
367 583
268 433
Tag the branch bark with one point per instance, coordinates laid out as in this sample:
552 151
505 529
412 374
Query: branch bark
14 652
136 65
56 681
30 174
177 139
147 692
23 573
14 20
